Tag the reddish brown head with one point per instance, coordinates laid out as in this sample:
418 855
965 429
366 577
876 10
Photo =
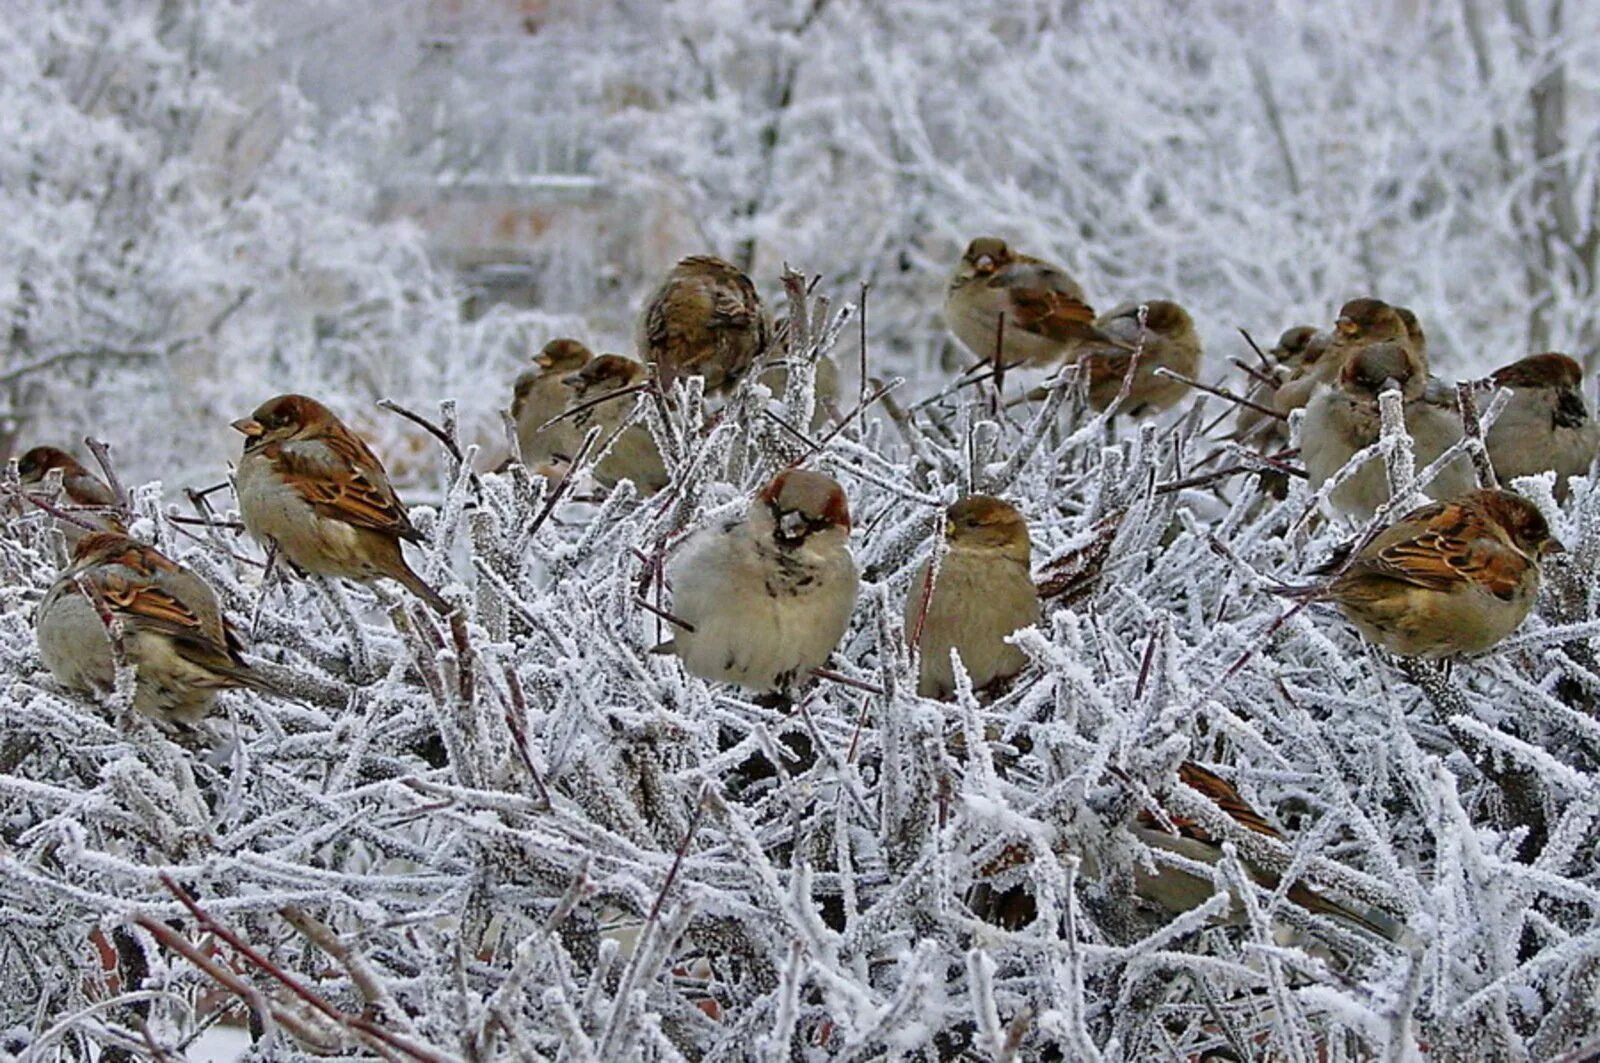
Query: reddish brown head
38 462
1521 519
1550 370
801 502
285 417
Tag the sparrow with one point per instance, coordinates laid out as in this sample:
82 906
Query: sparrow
1170 887
1046 316
1342 419
1169 342
634 455
87 498
1298 348
1297 345
706 320
308 486
539 396
767 596
1546 425
983 593
1449 577
1361 323
1179 891
173 633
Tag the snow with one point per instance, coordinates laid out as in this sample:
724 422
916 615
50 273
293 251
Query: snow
526 836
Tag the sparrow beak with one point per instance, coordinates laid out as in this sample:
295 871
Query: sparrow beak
984 264
1346 326
792 527
543 361
1390 383
1550 547
249 426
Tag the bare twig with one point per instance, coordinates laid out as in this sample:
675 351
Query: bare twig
102 455
1221 393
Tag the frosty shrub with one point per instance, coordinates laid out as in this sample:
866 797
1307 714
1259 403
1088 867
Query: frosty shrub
520 834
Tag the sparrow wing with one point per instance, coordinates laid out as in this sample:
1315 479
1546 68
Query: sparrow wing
155 594
342 479
1219 792
1441 547
520 391
86 490
1047 312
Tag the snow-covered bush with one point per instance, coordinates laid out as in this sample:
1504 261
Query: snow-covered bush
522 834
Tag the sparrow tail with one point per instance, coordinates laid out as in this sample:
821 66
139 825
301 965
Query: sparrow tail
1300 592
1370 919
414 583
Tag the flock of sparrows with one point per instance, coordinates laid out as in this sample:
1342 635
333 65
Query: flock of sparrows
762 600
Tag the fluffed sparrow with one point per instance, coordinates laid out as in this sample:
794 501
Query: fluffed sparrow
1179 891
1361 323
1342 419
1170 342
87 497
1046 316
539 395
634 456
768 594
310 487
983 593
173 633
1449 577
1546 425
704 320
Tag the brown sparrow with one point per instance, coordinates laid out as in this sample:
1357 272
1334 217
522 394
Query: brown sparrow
539 396
1546 425
768 595
1173 888
1297 345
704 320
634 454
983 593
1170 342
1343 419
310 487
173 633
1046 316
1450 577
86 497
1361 323
1298 348
1179 891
